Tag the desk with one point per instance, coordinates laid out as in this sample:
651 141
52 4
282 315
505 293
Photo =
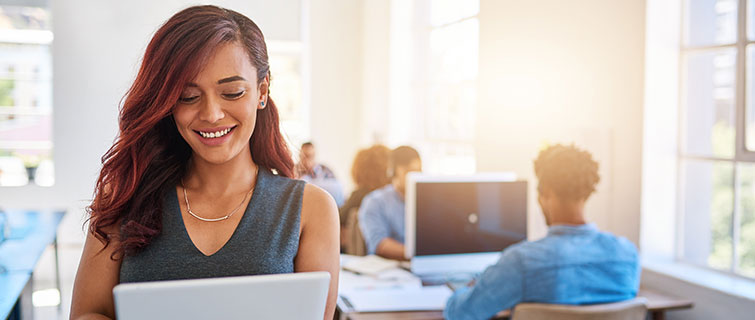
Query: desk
658 304
13 285
31 233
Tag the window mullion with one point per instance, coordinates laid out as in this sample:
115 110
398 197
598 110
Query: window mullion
741 128
735 219
740 102
708 48
680 230
681 114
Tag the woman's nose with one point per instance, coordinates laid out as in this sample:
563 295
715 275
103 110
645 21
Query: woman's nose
211 110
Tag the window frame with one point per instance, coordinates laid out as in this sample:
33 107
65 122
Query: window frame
741 153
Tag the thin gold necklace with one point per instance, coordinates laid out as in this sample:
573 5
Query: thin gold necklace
188 207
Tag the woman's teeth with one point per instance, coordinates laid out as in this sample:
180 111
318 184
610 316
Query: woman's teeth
216 134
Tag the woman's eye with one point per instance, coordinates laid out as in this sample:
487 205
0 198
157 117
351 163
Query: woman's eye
234 95
188 99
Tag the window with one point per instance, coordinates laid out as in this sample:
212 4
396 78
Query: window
717 136
449 81
25 96
287 91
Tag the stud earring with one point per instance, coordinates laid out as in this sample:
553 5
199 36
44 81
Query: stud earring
262 103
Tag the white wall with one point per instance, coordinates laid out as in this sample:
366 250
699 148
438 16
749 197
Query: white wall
659 223
376 36
96 52
335 42
565 71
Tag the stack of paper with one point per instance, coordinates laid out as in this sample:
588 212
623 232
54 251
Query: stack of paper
389 279
371 264
420 299
374 284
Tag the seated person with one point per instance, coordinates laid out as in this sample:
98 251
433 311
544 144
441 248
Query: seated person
369 174
381 216
574 264
199 183
318 174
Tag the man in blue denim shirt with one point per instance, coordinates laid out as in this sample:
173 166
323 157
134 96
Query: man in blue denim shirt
574 264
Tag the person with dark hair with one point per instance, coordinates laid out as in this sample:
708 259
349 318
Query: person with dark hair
574 264
381 216
316 173
369 172
199 182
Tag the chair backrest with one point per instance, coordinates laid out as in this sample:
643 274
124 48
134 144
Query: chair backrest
634 309
356 245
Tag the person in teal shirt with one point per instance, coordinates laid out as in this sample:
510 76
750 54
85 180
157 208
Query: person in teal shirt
574 264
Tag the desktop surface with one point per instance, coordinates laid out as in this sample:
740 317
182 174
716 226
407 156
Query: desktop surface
658 305
31 231
388 281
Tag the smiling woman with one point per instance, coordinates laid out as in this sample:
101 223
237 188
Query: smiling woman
217 111
199 122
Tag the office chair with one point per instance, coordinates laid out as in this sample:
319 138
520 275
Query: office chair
634 309
356 245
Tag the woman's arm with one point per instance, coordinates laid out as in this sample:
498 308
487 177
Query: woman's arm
95 279
318 243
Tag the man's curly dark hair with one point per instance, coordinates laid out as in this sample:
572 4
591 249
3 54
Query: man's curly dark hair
570 173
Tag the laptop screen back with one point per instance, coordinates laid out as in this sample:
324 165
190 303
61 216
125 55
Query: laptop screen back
278 296
469 216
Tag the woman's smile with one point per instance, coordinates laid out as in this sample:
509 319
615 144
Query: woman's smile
215 136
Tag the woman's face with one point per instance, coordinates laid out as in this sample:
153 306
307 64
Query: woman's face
217 110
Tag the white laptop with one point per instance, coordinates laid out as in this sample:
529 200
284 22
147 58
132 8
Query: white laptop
279 296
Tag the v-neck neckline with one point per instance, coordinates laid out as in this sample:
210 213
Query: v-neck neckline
249 208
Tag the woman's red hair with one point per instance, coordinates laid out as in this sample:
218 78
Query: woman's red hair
149 154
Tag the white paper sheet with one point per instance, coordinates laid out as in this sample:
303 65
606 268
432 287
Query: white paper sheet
371 264
389 279
398 299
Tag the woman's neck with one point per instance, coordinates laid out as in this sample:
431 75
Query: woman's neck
235 176
398 185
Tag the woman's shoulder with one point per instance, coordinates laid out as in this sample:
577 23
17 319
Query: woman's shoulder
270 179
318 203
315 195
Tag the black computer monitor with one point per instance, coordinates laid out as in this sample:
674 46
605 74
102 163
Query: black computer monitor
449 215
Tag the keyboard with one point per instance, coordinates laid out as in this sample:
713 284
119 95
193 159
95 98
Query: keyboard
454 280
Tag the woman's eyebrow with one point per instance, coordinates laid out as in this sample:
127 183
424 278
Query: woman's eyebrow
231 79
221 81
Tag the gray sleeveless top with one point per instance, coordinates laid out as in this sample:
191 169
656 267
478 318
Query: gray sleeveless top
265 241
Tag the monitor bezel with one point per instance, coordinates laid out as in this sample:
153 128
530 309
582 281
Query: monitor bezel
410 202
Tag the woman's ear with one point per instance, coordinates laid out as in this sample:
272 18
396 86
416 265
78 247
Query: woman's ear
263 90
